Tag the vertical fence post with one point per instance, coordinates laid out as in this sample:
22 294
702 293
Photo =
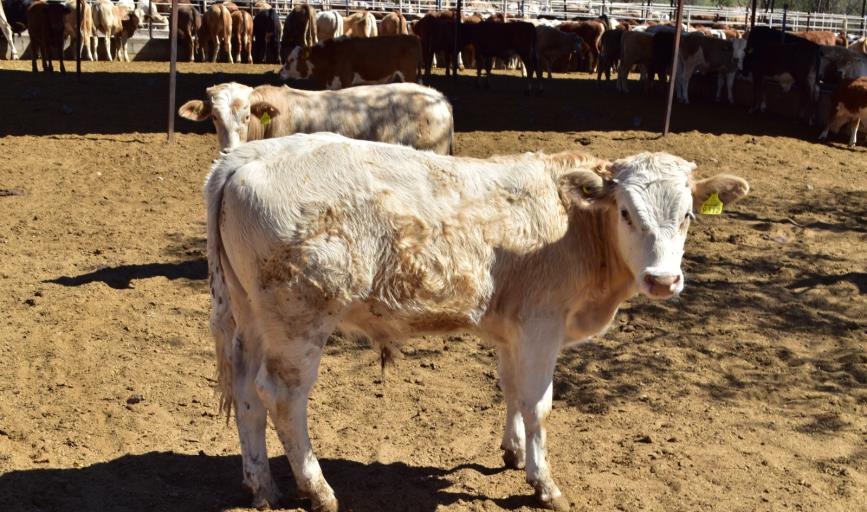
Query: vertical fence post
678 28
173 68
150 19
77 40
785 15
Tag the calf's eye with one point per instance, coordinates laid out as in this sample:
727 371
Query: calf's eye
625 215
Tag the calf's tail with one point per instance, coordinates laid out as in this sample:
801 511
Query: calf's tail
219 272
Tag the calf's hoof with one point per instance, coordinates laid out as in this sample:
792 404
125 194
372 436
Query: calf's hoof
513 460
328 504
558 503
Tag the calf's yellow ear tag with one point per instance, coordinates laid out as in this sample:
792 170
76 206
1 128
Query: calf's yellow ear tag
265 119
712 205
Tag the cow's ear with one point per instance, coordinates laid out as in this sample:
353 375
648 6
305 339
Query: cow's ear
195 110
584 189
261 108
727 187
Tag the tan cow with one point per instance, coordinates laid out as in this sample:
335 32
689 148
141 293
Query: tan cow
216 33
393 24
114 21
360 24
242 35
407 114
70 23
532 252
850 107
636 49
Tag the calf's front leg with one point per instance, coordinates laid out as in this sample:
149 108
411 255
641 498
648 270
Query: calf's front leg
537 352
514 438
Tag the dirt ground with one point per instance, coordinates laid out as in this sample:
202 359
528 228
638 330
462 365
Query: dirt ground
749 392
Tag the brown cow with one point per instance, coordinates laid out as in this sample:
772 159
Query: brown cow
45 26
553 45
818 36
393 24
344 62
216 33
242 35
850 106
189 25
437 33
609 56
590 33
299 29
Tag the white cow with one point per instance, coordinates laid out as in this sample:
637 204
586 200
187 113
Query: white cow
533 252
6 30
329 24
403 113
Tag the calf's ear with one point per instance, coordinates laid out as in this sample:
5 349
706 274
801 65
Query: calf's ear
584 189
195 110
260 108
729 189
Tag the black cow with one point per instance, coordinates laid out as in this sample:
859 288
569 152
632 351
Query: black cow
502 40
266 37
16 14
771 53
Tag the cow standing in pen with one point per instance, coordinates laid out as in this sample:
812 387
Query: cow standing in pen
407 114
532 252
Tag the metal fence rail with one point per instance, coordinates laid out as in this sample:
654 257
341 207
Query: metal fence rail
563 10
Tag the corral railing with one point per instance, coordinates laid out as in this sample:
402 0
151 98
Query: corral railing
569 9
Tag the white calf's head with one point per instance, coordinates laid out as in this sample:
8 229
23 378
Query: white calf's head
653 197
297 64
228 106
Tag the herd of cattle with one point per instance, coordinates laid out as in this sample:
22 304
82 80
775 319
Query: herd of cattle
338 51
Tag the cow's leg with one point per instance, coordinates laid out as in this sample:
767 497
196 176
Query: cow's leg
250 417
284 381
730 86
108 47
34 52
514 441
853 138
623 76
228 43
536 356
94 42
59 45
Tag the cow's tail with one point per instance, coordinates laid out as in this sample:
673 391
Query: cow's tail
219 272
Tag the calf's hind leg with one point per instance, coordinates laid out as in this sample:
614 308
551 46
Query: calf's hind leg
250 417
292 349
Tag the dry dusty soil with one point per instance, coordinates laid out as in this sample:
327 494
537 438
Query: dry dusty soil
748 392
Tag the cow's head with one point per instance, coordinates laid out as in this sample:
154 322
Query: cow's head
653 197
297 64
228 106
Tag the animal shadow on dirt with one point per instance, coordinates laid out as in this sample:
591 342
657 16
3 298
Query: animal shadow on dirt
121 277
122 103
203 483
